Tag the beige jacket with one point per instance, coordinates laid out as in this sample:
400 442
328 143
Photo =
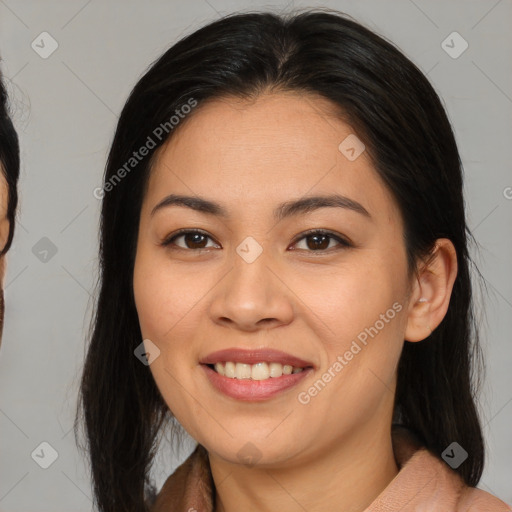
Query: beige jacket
424 483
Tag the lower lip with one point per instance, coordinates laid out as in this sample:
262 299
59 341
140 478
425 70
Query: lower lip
253 390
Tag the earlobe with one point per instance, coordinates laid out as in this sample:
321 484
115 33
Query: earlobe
431 292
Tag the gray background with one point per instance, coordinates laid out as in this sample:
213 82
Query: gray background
66 108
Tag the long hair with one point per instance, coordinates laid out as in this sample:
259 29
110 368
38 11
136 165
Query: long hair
9 162
396 113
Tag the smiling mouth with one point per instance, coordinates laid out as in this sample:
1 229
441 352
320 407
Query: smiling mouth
260 371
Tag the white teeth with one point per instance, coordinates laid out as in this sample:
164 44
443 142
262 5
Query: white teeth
258 371
229 370
275 369
242 371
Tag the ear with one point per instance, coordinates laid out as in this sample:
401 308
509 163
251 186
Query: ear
431 291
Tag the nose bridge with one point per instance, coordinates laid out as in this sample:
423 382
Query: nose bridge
250 276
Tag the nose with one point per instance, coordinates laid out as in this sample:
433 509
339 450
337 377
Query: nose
252 296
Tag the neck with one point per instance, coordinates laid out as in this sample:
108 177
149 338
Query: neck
347 475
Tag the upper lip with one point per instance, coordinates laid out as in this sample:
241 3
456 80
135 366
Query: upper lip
254 356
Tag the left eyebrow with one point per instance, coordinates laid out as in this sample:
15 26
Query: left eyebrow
311 203
284 210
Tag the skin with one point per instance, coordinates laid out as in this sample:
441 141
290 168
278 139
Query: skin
4 233
335 452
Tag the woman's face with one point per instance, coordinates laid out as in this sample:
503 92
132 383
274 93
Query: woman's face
255 282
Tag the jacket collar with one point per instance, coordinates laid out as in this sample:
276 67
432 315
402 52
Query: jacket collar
424 483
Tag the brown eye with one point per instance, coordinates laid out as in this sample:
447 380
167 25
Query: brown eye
192 239
320 240
315 241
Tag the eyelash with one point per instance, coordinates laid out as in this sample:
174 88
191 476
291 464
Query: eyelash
343 243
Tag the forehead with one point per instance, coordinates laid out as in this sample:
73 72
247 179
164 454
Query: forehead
265 150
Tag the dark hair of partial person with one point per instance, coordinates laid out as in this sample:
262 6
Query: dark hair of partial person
395 111
9 162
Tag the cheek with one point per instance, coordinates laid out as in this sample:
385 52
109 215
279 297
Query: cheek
364 312
163 296
351 296
164 299
361 309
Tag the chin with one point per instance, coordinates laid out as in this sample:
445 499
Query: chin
253 451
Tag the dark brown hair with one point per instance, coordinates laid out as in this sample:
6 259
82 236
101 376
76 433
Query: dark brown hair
9 162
